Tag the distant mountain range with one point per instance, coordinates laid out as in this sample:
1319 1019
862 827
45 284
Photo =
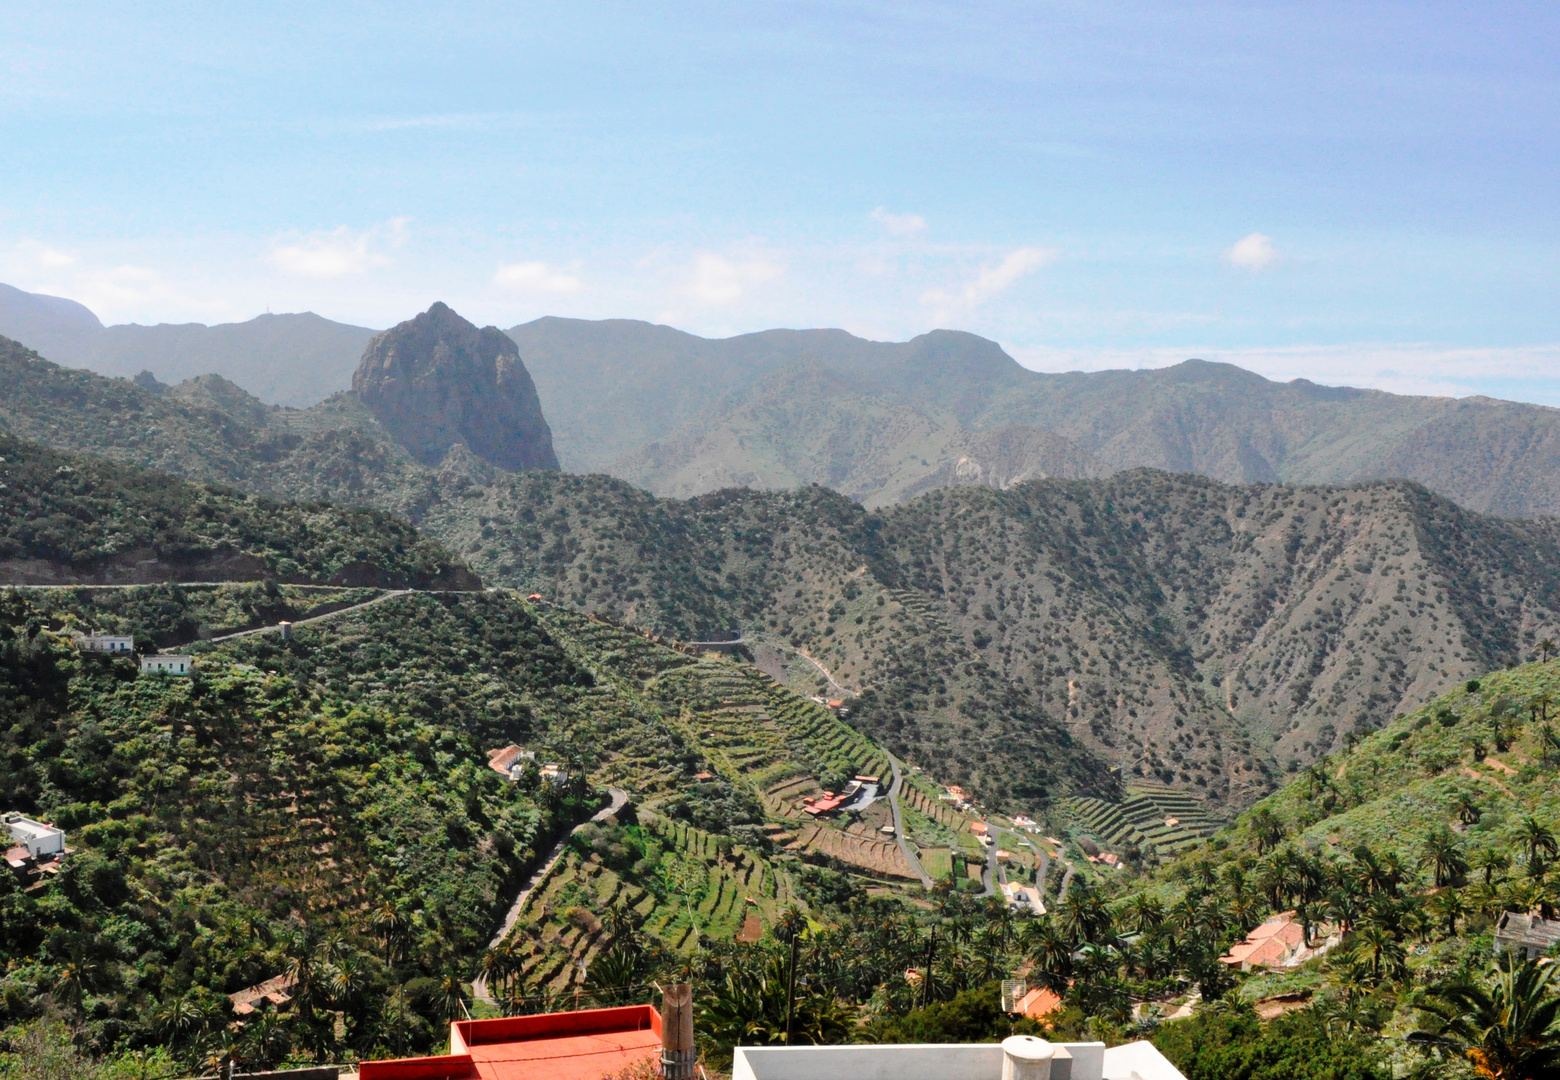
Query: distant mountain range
682 415
295 360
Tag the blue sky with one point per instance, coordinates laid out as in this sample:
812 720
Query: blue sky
1360 193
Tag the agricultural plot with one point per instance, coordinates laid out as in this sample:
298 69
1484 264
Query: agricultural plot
875 856
938 861
1156 819
690 885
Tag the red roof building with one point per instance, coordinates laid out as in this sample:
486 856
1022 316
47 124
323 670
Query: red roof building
585 1045
1038 1002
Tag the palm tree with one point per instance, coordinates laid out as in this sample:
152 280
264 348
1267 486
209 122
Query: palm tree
1144 913
1385 953
1448 904
1443 858
1468 811
1506 1030
1344 906
1546 648
1267 830
1051 952
1309 915
1540 842
1492 862
1549 743
389 924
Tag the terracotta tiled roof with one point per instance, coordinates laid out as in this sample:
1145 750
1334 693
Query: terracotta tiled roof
1038 1002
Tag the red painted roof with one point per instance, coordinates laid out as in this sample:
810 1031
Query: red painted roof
584 1045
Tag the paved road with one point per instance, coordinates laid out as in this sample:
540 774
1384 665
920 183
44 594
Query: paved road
899 826
305 622
988 876
619 800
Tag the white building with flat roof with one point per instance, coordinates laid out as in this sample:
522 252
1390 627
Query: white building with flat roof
1022 1057
118 644
166 664
39 838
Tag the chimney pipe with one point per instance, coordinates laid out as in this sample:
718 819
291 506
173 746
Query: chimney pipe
679 1055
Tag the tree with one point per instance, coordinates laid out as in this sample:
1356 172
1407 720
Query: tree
1491 861
1443 858
1144 913
1546 649
1448 904
1266 830
1377 944
1506 1029
1229 1042
1540 843
1468 810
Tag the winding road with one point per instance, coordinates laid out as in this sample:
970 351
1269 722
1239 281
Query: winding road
619 800
305 622
905 847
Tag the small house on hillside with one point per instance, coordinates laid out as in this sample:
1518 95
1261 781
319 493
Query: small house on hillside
1277 943
509 761
1528 934
272 993
35 849
116 644
1038 1002
167 664
1023 899
38 837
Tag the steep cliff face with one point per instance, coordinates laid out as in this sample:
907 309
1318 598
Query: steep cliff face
436 380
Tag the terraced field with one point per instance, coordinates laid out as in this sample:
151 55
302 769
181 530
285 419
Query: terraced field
699 885
757 734
736 726
1154 819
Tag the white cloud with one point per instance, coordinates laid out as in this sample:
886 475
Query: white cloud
536 277
1253 252
338 252
716 280
43 256
992 279
899 224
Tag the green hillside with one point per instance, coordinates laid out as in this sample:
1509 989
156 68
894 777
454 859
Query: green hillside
1409 845
69 518
1191 633
1206 636
323 806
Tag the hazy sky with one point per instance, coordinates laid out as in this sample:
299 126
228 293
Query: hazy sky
1355 192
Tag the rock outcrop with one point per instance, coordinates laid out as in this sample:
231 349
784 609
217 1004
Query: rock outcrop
437 381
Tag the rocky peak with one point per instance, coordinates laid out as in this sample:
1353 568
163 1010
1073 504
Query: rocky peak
436 381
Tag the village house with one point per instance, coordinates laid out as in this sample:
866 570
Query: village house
35 851
1023 899
510 761
272 993
1279 943
1529 935
117 644
167 664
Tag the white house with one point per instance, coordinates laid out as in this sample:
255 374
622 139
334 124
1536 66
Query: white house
167 664
106 643
1023 898
38 838
1022 1057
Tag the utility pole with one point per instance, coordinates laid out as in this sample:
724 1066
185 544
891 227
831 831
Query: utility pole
931 955
790 987
679 1053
